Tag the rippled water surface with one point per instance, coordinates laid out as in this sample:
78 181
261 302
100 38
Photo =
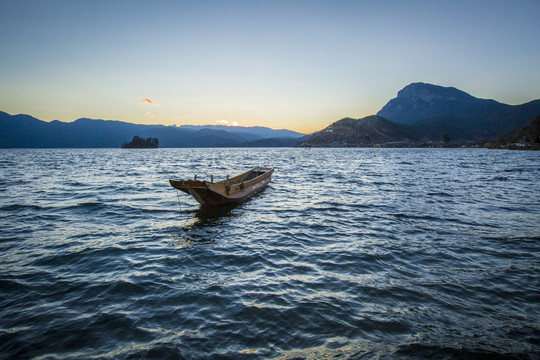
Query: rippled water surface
348 254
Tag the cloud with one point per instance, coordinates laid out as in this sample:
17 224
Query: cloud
149 114
226 123
148 101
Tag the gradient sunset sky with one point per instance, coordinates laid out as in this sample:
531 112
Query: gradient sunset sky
291 64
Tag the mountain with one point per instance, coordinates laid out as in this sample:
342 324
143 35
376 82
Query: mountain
254 131
424 113
276 142
373 130
420 101
529 134
27 131
420 113
362 132
436 106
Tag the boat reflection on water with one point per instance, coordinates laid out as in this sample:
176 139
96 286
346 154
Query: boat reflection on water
203 224
211 216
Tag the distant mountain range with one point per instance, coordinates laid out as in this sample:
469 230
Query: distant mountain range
420 113
249 133
426 113
24 131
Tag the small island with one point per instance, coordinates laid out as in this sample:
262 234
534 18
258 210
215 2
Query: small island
140 143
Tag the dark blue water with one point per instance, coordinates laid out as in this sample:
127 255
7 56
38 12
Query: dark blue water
348 254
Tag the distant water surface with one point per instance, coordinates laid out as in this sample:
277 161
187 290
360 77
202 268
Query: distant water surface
348 254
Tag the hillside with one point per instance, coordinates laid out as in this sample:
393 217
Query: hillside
529 134
251 132
24 131
362 132
424 113
421 113
470 118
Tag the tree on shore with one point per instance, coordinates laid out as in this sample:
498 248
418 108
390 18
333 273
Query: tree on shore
140 143
446 139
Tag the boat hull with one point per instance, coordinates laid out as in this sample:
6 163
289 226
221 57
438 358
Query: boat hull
227 191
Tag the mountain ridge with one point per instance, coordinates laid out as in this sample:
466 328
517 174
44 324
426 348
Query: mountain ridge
260 131
426 113
529 134
366 131
427 92
420 113
480 118
23 130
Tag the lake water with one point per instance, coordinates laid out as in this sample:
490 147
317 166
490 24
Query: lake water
348 254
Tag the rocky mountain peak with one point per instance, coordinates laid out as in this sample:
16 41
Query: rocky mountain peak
429 92
420 101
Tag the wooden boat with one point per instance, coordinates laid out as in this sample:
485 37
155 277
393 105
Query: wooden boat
231 190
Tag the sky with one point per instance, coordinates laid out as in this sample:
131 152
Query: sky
293 64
